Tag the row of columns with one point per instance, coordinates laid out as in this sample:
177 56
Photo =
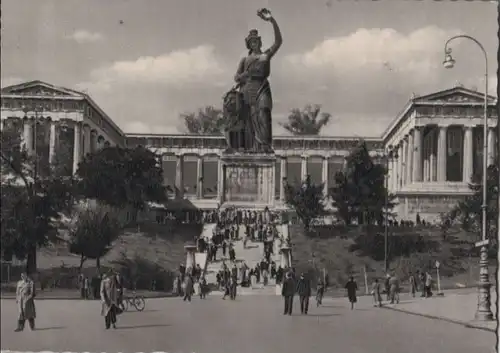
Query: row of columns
179 176
85 141
425 159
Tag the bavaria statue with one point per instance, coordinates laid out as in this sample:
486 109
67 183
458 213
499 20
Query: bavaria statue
248 105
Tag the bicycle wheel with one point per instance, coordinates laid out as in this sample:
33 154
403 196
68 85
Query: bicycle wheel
139 303
125 304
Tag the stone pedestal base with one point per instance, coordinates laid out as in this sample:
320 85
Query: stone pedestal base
248 180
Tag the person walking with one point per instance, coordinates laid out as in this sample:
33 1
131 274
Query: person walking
413 285
387 286
288 291
351 287
188 287
422 283
428 285
109 299
320 291
233 284
304 291
25 300
394 289
377 296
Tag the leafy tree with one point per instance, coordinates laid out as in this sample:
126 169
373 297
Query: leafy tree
92 234
360 190
468 213
206 121
121 177
31 204
306 199
307 121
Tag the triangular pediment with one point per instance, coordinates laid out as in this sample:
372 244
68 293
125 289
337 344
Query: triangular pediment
455 95
39 88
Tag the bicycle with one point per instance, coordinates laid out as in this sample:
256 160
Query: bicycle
137 301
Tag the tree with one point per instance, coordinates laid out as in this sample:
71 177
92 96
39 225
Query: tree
206 121
31 204
360 190
306 199
92 234
468 213
121 177
307 121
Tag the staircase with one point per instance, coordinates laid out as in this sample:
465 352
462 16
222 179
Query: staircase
251 255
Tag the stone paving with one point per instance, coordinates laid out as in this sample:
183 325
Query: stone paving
454 306
249 324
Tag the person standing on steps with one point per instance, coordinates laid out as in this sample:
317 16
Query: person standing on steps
25 294
351 287
304 291
288 291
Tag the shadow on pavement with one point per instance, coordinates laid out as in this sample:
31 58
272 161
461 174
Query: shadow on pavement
50 328
141 326
320 315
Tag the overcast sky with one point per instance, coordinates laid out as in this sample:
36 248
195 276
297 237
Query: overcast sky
145 62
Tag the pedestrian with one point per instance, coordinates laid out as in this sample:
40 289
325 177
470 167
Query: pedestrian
203 288
25 300
377 297
188 287
387 286
320 291
304 291
422 283
428 285
351 287
394 289
288 291
413 285
233 284
109 299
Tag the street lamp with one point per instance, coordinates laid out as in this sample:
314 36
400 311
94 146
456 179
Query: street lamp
484 301
389 156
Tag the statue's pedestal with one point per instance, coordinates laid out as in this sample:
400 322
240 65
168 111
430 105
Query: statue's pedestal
248 180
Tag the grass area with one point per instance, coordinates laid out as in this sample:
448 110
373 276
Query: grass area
160 244
334 252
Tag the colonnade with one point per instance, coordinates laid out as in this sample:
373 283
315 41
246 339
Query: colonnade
85 139
439 153
281 161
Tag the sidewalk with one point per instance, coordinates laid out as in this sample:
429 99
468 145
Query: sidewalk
66 294
455 306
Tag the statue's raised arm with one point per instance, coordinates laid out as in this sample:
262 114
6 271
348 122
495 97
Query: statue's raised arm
266 15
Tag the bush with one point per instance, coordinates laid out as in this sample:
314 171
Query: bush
142 274
398 245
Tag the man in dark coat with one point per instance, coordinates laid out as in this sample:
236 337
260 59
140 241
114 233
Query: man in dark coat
288 291
304 291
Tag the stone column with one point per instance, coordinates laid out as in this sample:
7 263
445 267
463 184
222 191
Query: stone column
179 177
303 169
28 135
409 159
394 177
432 160
52 141
468 155
417 155
93 141
283 174
86 140
426 159
325 176
220 181
404 161
400 166
77 142
199 178
442 153
190 256
491 145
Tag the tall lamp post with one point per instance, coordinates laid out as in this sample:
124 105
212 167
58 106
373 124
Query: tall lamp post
483 312
389 156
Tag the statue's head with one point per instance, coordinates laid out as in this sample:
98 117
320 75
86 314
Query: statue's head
253 41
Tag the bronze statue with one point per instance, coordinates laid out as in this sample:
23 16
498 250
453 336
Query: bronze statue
248 105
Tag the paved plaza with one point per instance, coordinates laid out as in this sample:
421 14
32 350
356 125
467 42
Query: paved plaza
249 324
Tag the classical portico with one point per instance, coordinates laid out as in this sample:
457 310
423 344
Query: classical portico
439 139
192 164
53 120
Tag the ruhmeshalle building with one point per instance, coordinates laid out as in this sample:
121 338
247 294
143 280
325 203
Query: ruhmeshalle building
437 138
